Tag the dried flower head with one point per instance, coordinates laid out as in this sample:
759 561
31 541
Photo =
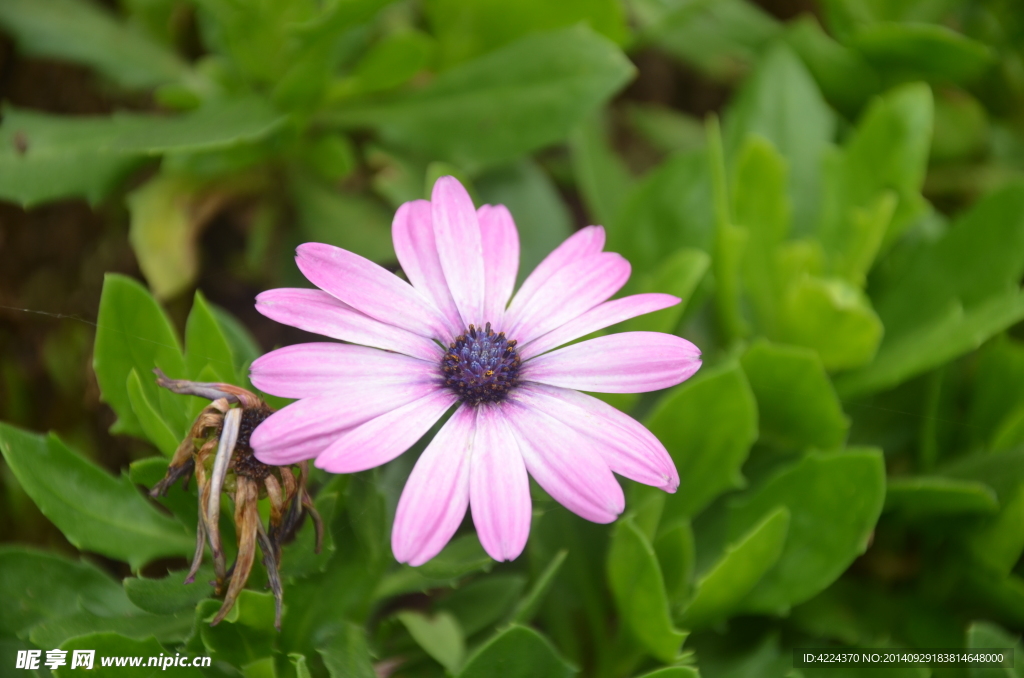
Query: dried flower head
217 451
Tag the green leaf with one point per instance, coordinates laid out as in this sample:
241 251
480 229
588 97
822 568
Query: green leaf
461 556
834 501
133 332
667 129
345 220
722 588
531 602
110 645
170 594
343 649
678 275
391 62
82 32
997 399
38 586
634 576
95 511
243 345
164 228
516 652
766 106
44 157
467 30
247 632
928 496
440 637
673 672
300 665
153 425
919 50
797 405
165 628
206 344
676 555
983 635
602 176
542 218
844 76
834 319
667 210
482 602
708 458
1000 541
500 106
721 38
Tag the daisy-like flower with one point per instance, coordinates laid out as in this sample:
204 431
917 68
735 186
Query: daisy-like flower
451 337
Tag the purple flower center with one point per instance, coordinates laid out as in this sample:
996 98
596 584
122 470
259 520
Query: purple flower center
481 366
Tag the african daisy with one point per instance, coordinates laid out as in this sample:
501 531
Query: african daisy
451 337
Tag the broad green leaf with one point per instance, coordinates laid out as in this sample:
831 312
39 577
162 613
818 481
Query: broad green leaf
460 557
767 105
482 602
467 30
391 62
761 208
730 242
181 502
133 332
708 458
1002 471
678 275
170 594
720 37
165 628
676 555
44 156
165 224
113 645
343 649
349 221
153 425
38 586
243 345
516 652
247 632
206 343
918 50
997 397
301 559
962 129
933 343
999 542
930 496
666 129
844 76
982 635
502 105
95 511
720 590
667 210
634 576
834 501
82 32
542 218
439 636
832 317
300 665
603 178
531 602
796 402
853 246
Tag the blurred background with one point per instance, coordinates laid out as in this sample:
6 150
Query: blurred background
833 187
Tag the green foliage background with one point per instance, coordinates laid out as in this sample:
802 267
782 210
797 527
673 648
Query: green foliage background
833 188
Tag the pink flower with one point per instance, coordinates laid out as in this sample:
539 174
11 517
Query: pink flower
451 338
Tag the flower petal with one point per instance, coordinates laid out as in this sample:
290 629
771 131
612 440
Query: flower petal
499 489
624 363
628 362
305 370
380 440
627 447
601 316
581 244
501 260
369 288
562 462
459 247
413 234
570 292
317 311
290 431
436 495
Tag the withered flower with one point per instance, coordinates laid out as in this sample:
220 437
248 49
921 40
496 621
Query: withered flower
216 450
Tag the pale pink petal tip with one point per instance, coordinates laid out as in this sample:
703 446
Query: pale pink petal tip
499 489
